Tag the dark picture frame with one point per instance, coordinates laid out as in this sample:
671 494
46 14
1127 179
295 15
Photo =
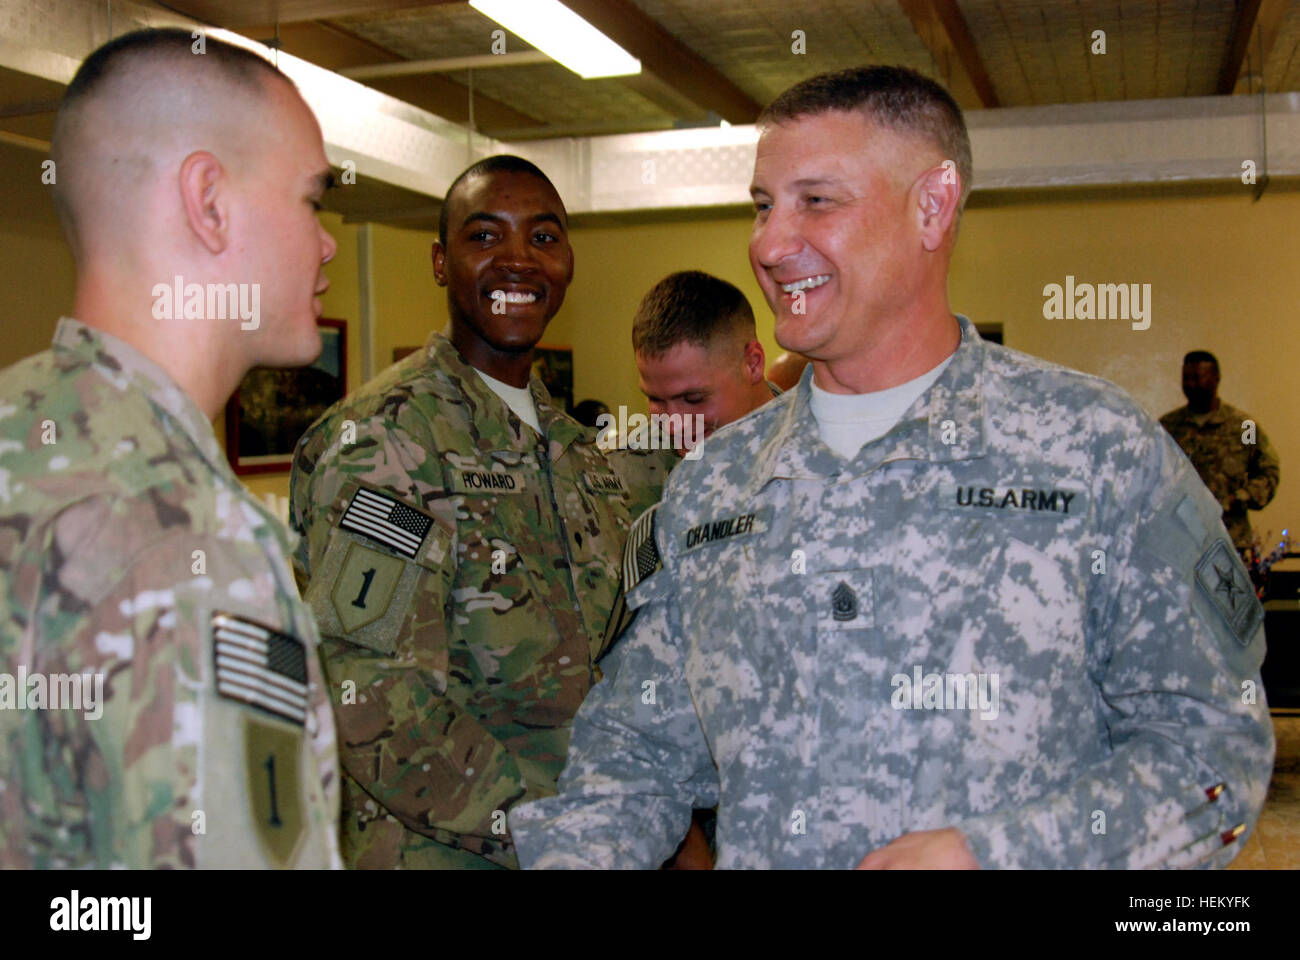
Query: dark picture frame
554 367
272 409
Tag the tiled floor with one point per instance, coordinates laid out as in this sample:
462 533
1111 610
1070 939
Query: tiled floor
1275 844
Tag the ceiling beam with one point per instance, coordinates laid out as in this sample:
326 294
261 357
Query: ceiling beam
670 71
943 30
481 61
236 16
333 47
1254 31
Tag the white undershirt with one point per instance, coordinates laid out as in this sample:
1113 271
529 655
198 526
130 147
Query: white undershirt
518 399
849 421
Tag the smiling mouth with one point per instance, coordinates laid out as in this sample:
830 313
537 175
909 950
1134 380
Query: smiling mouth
512 296
807 283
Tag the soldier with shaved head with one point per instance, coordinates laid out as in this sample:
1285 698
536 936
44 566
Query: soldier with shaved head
164 702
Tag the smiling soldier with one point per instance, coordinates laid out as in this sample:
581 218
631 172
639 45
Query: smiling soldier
923 503
462 540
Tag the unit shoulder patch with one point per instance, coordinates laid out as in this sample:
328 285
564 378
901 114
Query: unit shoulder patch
1221 579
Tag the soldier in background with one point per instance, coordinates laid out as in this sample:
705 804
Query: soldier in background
1233 457
461 547
697 352
131 558
942 605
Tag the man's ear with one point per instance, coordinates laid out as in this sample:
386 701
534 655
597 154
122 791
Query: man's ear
938 193
439 254
755 362
203 184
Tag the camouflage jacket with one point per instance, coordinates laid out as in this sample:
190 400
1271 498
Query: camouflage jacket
462 569
1240 468
132 560
1016 613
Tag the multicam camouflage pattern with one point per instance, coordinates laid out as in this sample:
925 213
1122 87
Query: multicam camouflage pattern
1242 476
479 646
797 590
101 572
645 472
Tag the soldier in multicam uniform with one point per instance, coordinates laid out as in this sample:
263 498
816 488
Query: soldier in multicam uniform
130 554
1232 456
462 542
942 605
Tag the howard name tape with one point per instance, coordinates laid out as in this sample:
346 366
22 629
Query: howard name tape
260 666
386 519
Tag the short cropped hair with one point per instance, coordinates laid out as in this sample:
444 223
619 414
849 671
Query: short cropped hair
500 163
689 307
157 48
896 98
1201 356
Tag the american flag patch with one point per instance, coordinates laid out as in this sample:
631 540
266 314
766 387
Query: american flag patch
387 520
640 555
260 666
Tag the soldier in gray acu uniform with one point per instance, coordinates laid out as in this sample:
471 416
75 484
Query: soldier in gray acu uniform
1009 630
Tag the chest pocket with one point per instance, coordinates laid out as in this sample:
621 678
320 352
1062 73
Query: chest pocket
383 555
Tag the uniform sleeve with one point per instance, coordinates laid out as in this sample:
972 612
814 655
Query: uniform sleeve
638 761
117 783
1265 471
103 786
403 735
1178 640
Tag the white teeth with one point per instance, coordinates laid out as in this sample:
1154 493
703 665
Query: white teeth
806 284
512 296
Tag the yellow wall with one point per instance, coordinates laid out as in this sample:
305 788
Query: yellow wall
1222 271
38 272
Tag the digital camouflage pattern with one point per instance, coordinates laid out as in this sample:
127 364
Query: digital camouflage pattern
458 653
1022 522
1241 475
127 547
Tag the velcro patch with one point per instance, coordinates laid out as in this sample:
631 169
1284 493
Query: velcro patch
640 555
365 586
260 666
1051 502
727 527
387 520
487 481
1220 576
609 483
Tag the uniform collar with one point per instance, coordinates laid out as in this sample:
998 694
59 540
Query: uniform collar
498 427
945 423
125 367
1222 415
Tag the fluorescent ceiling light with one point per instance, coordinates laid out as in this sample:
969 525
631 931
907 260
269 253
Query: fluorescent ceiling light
562 35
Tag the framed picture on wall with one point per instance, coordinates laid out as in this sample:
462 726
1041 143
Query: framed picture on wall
554 367
273 408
